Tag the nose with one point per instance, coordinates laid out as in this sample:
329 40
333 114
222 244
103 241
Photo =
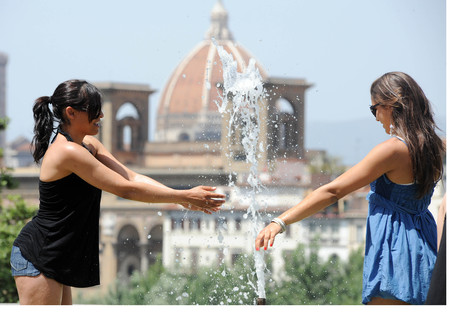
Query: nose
377 118
101 114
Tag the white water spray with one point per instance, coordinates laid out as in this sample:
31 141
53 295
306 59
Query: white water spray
243 91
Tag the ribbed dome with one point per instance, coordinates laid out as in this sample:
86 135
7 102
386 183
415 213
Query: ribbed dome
187 108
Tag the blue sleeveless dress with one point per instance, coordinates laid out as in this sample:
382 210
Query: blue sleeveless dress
401 243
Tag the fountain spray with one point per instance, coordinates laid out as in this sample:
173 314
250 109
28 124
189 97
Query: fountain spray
245 90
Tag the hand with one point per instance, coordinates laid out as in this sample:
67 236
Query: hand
267 235
202 198
195 208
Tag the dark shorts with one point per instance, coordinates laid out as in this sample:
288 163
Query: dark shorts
21 266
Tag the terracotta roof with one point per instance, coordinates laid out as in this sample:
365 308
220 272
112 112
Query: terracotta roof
192 89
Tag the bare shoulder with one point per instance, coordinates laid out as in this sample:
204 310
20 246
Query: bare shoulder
392 147
59 151
398 148
401 171
384 158
59 160
389 157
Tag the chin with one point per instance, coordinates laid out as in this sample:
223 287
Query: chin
94 132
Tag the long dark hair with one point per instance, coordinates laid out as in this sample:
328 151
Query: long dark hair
78 94
412 119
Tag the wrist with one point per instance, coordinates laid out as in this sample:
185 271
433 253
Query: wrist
281 224
181 196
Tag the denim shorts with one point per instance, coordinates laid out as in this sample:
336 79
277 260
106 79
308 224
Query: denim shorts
21 266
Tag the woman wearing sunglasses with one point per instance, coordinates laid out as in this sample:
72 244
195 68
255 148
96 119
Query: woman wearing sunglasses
58 248
401 236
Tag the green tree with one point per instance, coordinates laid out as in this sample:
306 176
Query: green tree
225 285
308 280
135 292
221 285
311 281
13 216
330 165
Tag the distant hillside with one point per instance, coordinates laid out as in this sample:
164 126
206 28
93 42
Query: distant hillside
349 140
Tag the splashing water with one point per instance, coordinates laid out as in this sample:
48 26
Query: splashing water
240 99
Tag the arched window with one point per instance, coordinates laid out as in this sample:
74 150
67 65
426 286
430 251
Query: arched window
127 110
155 243
284 106
127 138
128 252
285 125
127 118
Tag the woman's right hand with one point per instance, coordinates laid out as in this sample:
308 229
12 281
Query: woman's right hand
203 198
267 236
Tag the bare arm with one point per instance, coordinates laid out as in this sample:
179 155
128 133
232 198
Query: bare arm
105 157
105 172
382 159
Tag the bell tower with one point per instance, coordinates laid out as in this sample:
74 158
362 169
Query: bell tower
124 131
286 117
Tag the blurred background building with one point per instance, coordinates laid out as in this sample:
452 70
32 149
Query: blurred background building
3 63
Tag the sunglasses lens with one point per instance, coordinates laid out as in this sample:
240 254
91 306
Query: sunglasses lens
373 111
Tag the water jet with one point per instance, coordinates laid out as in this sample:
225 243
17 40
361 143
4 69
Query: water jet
242 93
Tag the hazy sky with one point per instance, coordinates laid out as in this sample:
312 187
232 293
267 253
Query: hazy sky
339 46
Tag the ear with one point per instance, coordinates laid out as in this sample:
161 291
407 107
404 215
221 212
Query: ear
70 112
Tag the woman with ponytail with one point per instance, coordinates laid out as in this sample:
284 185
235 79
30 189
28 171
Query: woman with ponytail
401 239
59 247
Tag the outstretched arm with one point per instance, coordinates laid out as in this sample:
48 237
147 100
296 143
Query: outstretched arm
379 161
105 172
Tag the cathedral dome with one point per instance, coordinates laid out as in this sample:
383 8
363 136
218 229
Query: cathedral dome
187 108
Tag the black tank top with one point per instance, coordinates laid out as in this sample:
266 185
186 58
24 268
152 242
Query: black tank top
62 240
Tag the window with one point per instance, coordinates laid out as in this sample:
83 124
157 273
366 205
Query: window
238 224
194 224
177 224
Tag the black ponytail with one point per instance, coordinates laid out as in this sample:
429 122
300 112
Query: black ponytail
43 127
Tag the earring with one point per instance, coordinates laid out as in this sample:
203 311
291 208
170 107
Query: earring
391 130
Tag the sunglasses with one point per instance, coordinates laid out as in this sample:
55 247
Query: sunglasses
373 108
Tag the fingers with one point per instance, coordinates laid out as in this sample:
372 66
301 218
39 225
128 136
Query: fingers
202 198
212 195
209 199
266 237
209 188
196 208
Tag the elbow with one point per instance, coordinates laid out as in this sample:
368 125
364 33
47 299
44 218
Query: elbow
334 198
333 194
126 192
